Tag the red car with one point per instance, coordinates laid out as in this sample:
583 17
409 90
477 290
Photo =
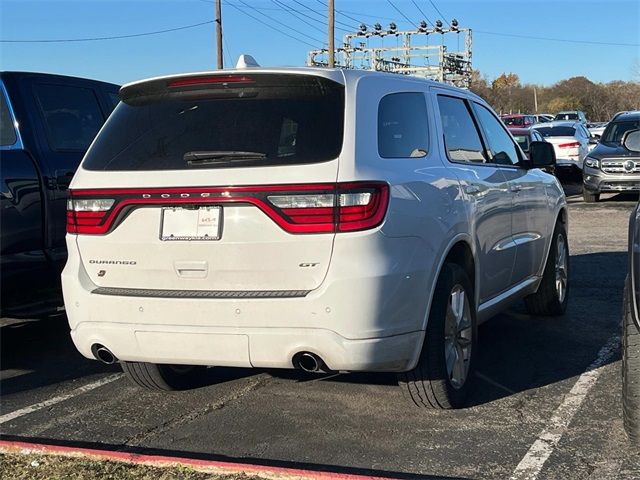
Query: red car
518 120
524 136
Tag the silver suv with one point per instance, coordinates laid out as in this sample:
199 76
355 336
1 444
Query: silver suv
611 167
307 218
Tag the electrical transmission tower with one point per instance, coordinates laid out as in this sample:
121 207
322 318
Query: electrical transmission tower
444 60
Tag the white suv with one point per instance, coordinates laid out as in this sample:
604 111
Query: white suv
307 218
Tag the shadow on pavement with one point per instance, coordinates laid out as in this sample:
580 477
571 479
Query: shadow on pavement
517 352
320 468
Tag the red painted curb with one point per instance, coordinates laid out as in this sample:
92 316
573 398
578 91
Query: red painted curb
168 461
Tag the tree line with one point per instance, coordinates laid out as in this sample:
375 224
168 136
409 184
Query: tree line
599 101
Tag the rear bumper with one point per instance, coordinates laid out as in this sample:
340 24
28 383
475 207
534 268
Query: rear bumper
569 162
368 315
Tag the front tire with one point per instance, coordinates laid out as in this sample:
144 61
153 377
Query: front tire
630 370
552 296
442 377
590 197
163 378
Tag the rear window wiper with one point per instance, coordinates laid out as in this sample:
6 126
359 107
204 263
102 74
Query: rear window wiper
220 156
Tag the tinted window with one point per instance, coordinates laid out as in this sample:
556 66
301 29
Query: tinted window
513 121
566 116
7 130
114 99
523 141
615 130
403 129
556 131
503 150
460 134
72 115
263 120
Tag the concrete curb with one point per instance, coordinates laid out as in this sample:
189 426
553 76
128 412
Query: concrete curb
210 466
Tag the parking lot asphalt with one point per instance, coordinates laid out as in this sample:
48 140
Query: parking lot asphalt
546 403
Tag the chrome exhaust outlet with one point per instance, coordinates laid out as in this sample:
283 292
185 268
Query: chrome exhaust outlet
103 354
309 362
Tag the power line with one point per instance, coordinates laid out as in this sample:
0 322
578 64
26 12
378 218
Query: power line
96 39
442 15
423 14
400 12
271 26
341 12
323 16
563 40
304 34
293 12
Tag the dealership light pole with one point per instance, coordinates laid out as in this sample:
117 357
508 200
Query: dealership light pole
219 33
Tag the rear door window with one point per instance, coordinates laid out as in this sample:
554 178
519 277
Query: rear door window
7 130
222 122
403 129
71 114
461 136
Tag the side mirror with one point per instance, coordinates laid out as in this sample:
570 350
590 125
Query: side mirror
631 140
542 154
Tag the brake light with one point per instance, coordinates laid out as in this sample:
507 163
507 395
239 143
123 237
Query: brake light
211 80
309 208
569 145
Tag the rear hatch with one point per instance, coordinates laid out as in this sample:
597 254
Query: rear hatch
563 139
218 183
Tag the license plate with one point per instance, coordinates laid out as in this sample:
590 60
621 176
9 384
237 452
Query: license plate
203 223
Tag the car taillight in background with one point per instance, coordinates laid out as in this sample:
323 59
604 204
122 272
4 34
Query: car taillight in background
569 145
308 208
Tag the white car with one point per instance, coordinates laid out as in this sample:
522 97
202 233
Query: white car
307 218
571 141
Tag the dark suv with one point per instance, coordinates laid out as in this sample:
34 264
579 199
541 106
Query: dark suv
610 167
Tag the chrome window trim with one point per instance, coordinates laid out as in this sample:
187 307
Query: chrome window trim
17 145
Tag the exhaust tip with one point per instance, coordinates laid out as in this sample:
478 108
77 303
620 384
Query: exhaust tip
103 354
309 362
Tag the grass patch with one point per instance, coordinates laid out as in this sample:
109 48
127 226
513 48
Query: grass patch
51 467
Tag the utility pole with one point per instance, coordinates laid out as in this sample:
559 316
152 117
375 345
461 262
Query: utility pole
219 33
535 99
331 27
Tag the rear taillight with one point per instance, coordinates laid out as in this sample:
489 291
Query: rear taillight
309 208
569 145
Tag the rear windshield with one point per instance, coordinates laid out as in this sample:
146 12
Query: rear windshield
222 122
513 121
523 141
556 131
616 130
566 116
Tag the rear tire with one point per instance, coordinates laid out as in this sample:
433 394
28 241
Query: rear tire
442 377
630 370
163 378
590 197
552 296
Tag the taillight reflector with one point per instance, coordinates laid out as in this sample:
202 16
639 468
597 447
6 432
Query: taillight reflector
211 80
569 145
308 208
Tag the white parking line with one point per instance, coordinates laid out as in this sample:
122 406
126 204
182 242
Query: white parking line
52 401
531 465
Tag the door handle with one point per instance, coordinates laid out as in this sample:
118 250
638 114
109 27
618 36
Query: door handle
471 189
515 188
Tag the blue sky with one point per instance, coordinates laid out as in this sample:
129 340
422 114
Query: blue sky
123 60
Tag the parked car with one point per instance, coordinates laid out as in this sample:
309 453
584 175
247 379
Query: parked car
255 218
525 137
518 121
596 129
571 115
611 167
543 117
47 123
570 140
631 324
